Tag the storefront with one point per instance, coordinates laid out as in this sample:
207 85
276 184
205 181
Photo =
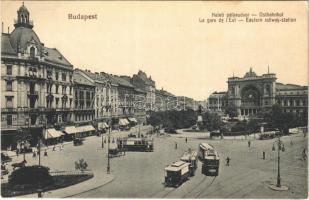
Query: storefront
102 127
84 131
133 121
52 136
124 124
70 133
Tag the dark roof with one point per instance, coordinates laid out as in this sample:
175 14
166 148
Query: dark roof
122 81
55 56
79 79
6 47
21 36
281 86
139 90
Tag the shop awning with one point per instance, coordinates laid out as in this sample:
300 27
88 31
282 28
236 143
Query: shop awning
70 130
199 118
132 119
102 125
52 133
106 125
126 121
123 122
85 128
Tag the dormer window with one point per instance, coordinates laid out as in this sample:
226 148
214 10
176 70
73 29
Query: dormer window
32 52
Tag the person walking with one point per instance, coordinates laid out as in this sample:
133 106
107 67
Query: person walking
304 155
264 155
249 143
45 153
175 145
228 159
186 140
54 148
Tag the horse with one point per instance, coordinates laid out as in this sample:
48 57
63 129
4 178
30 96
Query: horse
21 164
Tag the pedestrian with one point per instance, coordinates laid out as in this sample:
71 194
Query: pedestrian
264 155
228 159
186 139
304 155
45 153
33 153
249 143
273 148
175 145
54 148
283 148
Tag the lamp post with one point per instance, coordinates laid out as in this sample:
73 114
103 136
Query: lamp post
278 175
108 163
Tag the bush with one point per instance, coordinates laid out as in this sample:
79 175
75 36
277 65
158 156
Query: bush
81 164
31 175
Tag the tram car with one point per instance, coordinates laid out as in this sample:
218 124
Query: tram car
176 173
114 150
210 159
191 158
135 144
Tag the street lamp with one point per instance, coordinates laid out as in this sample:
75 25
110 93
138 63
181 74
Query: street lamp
280 148
108 162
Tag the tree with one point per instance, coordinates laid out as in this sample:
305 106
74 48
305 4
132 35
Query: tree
231 111
211 121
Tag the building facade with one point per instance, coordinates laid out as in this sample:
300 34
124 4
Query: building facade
251 94
141 81
37 85
84 97
217 102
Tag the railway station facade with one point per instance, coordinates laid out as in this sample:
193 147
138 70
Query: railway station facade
251 94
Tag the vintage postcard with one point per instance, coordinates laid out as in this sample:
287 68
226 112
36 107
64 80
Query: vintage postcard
154 99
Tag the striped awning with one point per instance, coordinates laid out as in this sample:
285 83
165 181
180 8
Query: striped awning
52 133
123 122
132 119
102 125
86 128
70 130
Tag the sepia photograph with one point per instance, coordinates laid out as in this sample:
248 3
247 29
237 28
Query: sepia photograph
154 99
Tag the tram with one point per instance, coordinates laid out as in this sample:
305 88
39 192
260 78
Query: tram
135 144
191 158
210 159
176 173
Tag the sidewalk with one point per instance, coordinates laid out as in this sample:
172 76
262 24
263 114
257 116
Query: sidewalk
99 179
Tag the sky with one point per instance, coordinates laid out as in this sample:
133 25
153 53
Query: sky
167 41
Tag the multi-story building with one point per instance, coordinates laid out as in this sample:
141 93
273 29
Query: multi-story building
292 98
139 105
36 81
102 96
217 102
165 101
84 97
252 94
185 103
141 81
